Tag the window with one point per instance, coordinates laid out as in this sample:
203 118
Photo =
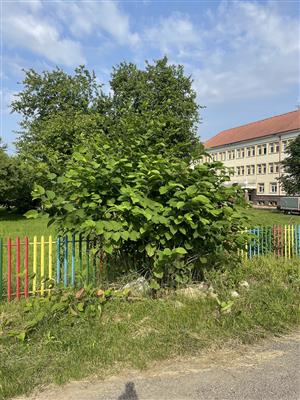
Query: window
274 148
273 187
248 169
271 168
223 156
240 170
261 168
261 188
261 149
252 169
284 145
240 153
231 154
277 168
251 151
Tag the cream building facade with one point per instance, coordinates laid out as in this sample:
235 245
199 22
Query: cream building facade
254 153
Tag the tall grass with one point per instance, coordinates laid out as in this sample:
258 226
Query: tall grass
133 334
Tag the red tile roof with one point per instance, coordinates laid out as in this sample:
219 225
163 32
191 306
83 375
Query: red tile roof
270 126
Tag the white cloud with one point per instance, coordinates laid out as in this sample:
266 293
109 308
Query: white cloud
245 49
25 27
56 30
7 96
174 33
85 18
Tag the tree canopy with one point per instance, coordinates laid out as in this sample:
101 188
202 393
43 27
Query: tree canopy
16 182
59 111
291 178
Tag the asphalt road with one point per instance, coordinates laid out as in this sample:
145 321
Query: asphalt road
268 371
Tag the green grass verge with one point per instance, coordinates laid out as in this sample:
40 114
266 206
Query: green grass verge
134 334
259 217
13 225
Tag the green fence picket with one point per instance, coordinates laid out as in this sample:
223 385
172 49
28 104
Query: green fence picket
1 267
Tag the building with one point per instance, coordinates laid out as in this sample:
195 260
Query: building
254 153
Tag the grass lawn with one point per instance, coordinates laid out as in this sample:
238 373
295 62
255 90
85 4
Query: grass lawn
13 225
269 217
133 334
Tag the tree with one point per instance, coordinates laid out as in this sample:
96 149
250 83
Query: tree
291 178
60 111
159 104
16 182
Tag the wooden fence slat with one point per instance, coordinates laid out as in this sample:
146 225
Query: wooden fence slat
1 268
26 257
65 261
43 277
18 267
9 269
58 260
73 262
34 281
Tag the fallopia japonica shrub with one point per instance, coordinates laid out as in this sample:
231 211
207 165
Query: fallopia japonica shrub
155 212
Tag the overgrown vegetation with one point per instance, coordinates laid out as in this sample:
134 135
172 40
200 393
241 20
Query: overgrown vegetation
151 210
127 173
291 179
63 345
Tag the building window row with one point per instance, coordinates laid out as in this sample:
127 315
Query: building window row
261 169
250 151
272 189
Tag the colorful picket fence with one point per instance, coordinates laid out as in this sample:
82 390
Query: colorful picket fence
35 267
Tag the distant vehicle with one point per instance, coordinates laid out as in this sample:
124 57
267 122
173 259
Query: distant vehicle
289 205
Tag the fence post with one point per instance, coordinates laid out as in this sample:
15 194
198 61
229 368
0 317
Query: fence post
26 245
87 260
50 256
42 265
66 261
18 268
34 264
1 267
9 269
73 261
58 260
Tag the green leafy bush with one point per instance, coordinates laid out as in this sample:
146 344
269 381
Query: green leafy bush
157 213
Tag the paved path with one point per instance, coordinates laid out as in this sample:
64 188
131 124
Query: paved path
268 371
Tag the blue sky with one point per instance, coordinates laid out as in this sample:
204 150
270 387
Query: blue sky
242 55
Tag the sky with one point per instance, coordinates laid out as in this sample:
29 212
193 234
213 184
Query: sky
243 56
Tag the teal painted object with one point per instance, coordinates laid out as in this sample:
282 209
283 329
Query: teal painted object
73 262
65 261
58 260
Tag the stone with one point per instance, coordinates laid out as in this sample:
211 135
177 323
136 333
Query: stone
138 288
234 294
195 291
244 284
